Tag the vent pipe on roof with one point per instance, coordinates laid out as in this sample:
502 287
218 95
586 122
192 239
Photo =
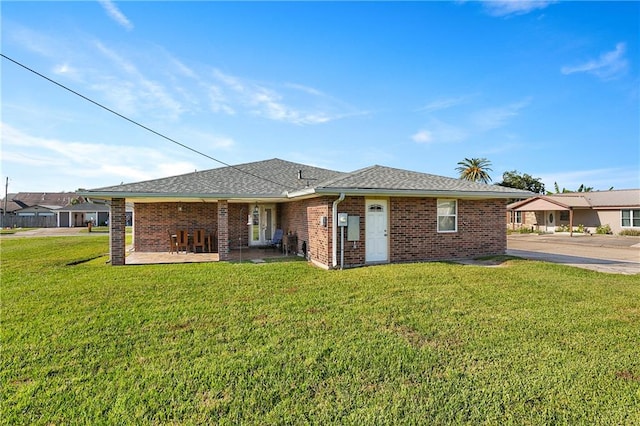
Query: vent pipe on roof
334 230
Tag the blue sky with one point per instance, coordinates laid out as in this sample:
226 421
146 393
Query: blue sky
546 88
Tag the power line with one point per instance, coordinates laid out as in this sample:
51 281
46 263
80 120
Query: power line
139 124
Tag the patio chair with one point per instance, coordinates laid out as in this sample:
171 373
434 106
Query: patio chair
276 241
183 240
198 240
173 242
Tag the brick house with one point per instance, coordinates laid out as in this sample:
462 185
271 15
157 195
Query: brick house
372 215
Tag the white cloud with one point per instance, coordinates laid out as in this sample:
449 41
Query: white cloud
422 136
86 162
440 132
446 103
294 103
206 140
493 118
34 41
65 69
608 66
480 121
115 14
501 8
133 92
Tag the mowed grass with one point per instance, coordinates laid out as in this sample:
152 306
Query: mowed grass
286 343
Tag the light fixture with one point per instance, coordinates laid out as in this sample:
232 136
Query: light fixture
256 210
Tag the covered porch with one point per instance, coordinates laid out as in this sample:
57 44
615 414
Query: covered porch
548 214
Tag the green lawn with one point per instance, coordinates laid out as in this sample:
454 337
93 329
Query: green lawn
228 343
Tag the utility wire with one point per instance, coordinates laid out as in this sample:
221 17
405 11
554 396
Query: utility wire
139 124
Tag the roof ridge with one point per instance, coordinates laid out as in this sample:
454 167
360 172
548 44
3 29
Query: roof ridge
344 175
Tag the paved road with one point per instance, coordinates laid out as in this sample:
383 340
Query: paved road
604 253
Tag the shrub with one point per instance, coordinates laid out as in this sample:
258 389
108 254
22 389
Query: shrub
603 229
526 230
582 229
631 232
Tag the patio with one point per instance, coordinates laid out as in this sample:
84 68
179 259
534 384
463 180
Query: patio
252 254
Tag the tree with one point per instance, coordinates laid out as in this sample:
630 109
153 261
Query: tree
475 169
514 179
581 188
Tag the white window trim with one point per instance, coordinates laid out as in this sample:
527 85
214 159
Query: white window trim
455 216
631 217
516 217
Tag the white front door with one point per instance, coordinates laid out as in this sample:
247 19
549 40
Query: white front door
550 217
262 224
376 242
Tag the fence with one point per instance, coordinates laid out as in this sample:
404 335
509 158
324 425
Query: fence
11 221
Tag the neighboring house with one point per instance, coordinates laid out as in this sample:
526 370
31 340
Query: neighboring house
620 209
34 209
81 213
389 215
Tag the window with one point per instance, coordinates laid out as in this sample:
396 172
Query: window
447 215
516 217
564 215
631 218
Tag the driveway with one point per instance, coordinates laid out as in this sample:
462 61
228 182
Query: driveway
603 253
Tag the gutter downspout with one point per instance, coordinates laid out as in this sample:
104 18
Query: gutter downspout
334 233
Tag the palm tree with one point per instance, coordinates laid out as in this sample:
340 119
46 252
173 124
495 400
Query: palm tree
475 169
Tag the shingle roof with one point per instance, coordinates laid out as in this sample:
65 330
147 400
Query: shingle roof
269 178
383 178
86 207
614 198
594 199
277 178
51 200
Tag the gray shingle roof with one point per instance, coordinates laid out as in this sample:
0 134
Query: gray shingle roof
380 178
277 178
269 178
594 199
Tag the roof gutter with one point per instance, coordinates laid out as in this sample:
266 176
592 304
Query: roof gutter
334 233
423 193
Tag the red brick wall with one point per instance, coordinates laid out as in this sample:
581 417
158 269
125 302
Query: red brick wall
354 251
413 232
153 222
238 228
117 231
303 218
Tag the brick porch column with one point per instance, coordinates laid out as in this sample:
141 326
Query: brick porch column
223 229
117 226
